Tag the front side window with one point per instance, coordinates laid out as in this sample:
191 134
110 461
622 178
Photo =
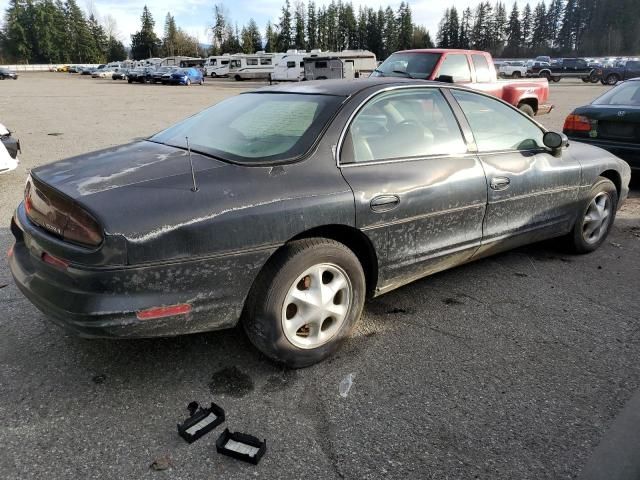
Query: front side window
457 67
497 126
235 64
255 127
403 124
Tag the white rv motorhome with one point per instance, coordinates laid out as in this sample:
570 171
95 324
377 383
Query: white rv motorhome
346 64
290 68
218 65
255 66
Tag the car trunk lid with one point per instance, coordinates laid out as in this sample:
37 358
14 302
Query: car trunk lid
617 123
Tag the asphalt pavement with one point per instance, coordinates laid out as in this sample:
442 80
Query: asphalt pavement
518 366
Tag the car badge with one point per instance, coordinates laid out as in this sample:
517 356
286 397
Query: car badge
621 113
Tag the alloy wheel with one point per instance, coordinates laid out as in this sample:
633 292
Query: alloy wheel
316 305
597 219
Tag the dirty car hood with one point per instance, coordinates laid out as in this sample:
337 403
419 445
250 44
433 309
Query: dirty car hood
120 166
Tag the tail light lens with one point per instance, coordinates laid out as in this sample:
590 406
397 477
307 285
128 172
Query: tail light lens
577 123
59 215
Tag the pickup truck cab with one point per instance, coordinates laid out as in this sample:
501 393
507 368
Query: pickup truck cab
513 69
472 68
564 68
612 75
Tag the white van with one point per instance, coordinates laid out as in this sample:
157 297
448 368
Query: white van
256 66
217 66
347 64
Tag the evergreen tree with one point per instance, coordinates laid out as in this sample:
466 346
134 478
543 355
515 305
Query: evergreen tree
81 41
567 33
421 38
15 42
443 37
219 29
271 37
540 34
284 37
389 32
464 36
499 27
312 26
170 36
100 40
299 41
526 26
405 27
514 38
554 21
145 43
251 38
115 50
454 28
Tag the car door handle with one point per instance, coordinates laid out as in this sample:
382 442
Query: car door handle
500 183
384 203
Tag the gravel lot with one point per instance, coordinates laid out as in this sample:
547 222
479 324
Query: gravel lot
510 367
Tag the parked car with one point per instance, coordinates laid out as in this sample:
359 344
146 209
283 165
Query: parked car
121 74
611 121
9 149
6 73
140 75
513 69
302 200
75 69
565 68
62 68
612 75
103 72
156 76
185 76
471 68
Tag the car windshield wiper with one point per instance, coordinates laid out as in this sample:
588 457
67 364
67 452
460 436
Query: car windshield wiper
406 74
379 71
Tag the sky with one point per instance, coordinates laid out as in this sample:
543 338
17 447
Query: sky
195 16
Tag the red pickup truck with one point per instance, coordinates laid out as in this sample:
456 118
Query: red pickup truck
472 68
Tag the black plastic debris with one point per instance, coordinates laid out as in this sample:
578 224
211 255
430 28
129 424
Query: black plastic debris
201 421
241 446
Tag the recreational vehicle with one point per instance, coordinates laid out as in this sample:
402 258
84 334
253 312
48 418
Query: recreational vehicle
346 64
181 61
290 68
217 66
256 66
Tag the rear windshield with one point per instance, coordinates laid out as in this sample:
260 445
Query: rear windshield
416 65
255 127
627 93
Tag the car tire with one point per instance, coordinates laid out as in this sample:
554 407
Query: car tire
188 82
129 80
201 81
526 108
295 268
592 225
555 79
238 78
213 75
586 79
546 75
516 74
612 79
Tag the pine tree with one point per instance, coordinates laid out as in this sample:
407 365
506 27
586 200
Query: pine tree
405 27
219 29
271 37
251 38
15 42
300 41
284 37
145 43
100 40
312 26
526 26
464 36
389 32
443 38
454 28
514 38
170 36
567 33
81 41
540 34
499 27
554 21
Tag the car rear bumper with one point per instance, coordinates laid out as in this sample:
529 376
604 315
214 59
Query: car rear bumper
629 152
107 302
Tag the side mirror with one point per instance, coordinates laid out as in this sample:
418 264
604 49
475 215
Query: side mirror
555 141
444 79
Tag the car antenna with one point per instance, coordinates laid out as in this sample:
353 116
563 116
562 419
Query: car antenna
193 175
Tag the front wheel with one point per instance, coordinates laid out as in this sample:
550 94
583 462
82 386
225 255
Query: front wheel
595 218
305 302
188 82
213 75
555 79
612 79
516 74
526 108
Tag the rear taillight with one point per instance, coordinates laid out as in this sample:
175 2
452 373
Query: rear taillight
59 215
55 261
577 123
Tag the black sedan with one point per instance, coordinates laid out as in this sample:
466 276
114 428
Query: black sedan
6 73
611 121
286 207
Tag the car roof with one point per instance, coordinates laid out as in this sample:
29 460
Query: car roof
442 50
343 88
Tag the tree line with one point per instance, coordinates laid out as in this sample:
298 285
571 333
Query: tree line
334 27
48 31
563 27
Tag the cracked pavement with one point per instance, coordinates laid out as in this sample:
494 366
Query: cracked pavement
514 366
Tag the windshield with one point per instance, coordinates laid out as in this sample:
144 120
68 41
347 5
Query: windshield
416 65
627 93
255 127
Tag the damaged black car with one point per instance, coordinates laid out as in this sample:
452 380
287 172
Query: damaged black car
284 208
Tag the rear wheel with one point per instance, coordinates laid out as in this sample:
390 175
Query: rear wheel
213 75
305 302
586 79
526 108
238 78
612 79
555 79
546 75
595 218
188 82
516 74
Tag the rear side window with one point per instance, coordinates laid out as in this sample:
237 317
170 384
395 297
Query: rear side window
265 61
482 68
403 124
496 126
456 66
252 61
291 64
